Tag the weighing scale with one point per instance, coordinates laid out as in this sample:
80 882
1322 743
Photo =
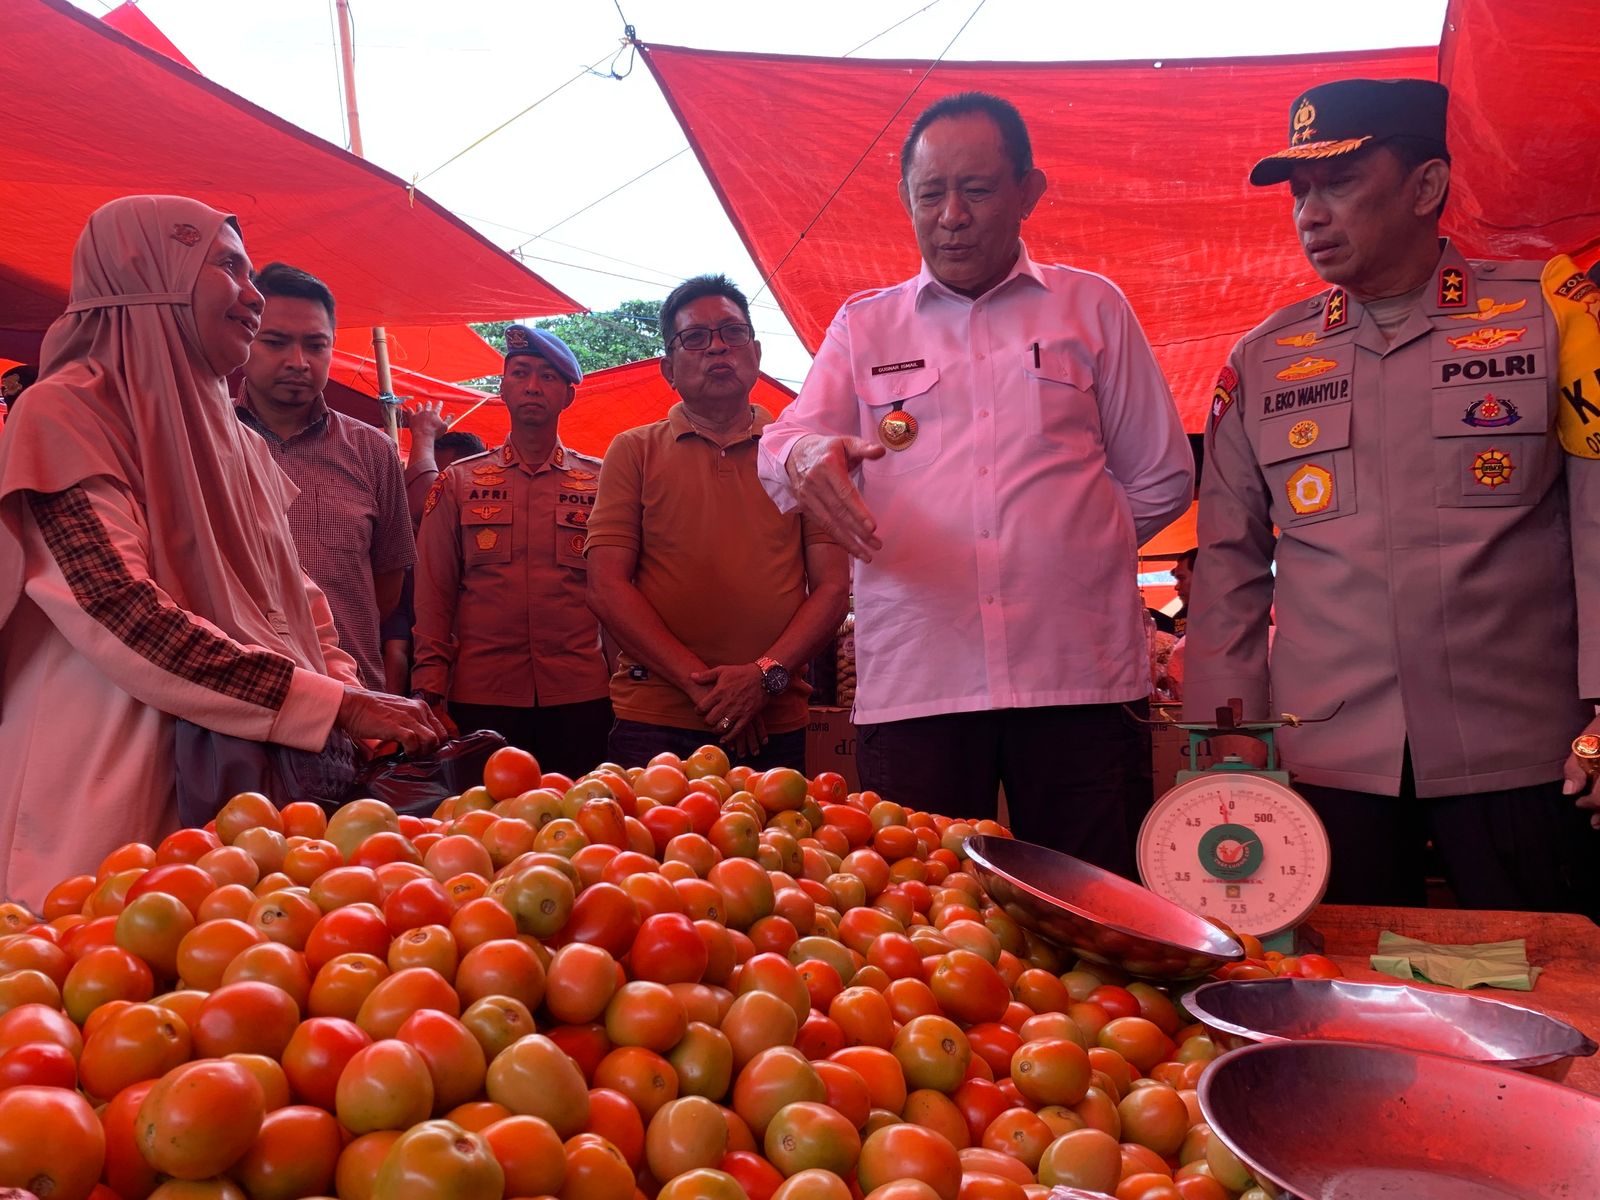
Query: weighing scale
1236 843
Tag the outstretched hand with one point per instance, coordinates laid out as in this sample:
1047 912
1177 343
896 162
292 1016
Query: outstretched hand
426 421
819 472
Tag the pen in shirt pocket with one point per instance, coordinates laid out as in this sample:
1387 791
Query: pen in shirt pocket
1036 356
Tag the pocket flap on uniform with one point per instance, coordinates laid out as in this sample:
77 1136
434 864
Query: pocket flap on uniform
1058 366
1296 434
898 385
1512 408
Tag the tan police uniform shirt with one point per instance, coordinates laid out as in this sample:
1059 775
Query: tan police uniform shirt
1433 543
501 581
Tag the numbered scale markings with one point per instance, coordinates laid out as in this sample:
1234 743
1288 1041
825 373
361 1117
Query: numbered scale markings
1238 847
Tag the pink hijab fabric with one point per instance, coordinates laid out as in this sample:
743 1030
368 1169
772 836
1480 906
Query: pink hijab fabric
125 392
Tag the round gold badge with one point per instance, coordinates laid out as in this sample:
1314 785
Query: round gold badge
897 430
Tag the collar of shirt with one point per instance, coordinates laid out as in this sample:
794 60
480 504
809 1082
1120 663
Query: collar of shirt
678 421
557 460
247 413
927 284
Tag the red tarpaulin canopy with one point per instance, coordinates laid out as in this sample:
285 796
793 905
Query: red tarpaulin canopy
437 351
1147 165
128 19
90 114
608 402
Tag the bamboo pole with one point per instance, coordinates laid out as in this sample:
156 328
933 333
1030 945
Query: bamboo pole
380 339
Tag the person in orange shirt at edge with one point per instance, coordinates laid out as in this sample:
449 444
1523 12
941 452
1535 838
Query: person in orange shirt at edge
503 634
716 599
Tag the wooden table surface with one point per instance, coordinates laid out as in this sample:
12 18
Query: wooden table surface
1567 946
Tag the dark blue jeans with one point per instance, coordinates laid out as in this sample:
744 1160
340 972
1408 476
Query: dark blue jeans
633 743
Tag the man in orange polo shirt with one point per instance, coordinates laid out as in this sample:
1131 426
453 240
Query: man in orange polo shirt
716 599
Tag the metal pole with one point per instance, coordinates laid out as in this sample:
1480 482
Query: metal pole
380 339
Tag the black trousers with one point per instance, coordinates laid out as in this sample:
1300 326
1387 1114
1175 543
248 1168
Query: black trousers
1077 777
1527 849
569 738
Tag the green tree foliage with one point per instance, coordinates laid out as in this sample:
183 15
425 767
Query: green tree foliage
624 334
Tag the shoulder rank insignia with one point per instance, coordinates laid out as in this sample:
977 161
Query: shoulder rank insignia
1452 287
1337 312
1304 340
1488 309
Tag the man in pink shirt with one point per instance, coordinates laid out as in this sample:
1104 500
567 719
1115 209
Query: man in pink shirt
992 440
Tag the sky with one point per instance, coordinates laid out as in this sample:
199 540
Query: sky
433 78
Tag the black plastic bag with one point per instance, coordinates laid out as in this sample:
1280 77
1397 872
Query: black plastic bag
415 786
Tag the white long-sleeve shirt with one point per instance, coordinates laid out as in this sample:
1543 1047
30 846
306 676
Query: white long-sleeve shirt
1047 449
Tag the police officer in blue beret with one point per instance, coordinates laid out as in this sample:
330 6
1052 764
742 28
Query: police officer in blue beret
504 636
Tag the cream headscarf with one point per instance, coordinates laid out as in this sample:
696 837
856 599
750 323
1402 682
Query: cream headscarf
125 392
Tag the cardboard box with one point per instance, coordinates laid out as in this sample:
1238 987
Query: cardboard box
831 744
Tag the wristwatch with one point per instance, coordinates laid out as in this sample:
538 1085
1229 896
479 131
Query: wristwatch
774 675
431 699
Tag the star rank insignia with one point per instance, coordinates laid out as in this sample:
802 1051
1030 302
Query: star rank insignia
1337 312
1452 287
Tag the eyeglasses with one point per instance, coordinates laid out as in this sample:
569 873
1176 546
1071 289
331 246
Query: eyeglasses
697 337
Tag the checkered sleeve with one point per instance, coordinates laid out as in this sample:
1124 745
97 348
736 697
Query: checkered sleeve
138 616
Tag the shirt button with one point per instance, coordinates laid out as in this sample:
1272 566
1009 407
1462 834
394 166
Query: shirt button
983 533
983 470
979 357
983 412
988 599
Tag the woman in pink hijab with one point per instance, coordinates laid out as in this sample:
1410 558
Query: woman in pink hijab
147 572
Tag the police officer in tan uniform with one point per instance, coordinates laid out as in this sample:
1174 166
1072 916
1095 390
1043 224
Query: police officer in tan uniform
1390 444
503 633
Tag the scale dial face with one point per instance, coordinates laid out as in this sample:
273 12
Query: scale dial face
1241 848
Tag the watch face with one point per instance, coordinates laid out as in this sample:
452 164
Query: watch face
775 679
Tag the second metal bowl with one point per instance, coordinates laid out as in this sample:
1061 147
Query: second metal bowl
1242 1011
1340 1121
1096 914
